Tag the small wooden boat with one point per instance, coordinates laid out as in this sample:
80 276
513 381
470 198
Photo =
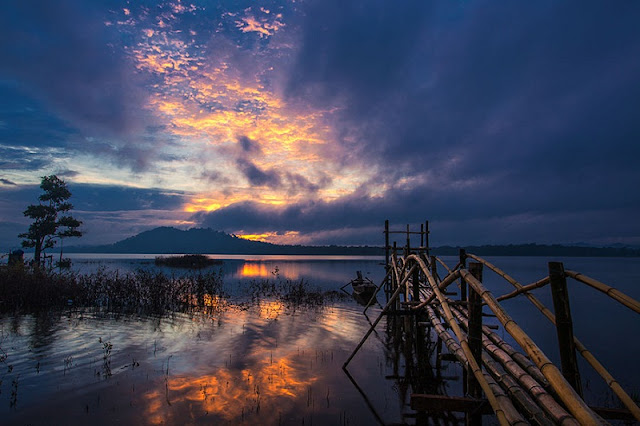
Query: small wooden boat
364 288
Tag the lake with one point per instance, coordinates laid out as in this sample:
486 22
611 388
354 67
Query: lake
270 362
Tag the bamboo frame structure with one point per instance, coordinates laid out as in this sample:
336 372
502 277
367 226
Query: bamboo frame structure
472 362
563 389
539 390
586 354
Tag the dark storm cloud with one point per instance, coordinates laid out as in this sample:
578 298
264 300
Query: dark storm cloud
498 109
257 176
248 145
62 51
459 216
25 122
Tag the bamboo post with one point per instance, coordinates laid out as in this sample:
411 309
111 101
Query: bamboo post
463 298
426 237
475 328
422 235
408 241
416 285
386 246
463 283
564 325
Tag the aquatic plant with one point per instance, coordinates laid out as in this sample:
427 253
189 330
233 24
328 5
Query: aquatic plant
292 293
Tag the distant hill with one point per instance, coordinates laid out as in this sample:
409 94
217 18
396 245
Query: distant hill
198 240
165 240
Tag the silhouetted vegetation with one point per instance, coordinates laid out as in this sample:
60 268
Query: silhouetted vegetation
191 261
25 289
144 292
51 218
292 293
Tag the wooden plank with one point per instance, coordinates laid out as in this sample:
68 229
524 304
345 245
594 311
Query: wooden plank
443 403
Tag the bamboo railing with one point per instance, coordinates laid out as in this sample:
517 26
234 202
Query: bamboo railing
511 382
586 354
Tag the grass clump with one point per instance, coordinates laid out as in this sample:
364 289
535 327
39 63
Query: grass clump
32 289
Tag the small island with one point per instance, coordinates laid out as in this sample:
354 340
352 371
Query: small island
191 261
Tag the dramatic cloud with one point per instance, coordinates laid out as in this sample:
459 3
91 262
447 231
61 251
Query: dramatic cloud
315 121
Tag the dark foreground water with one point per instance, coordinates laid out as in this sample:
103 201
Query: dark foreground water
274 363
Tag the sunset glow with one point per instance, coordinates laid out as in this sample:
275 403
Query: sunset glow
313 122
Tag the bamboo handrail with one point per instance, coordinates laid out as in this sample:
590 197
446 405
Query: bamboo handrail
571 399
540 283
614 293
586 354
531 384
473 364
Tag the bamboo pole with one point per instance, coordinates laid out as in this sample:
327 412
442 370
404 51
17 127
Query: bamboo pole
531 384
540 283
475 368
447 267
571 399
511 415
522 398
443 285
586 354
474 327
627 301
375 323
384 280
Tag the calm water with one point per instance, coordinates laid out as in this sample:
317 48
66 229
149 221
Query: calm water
273 364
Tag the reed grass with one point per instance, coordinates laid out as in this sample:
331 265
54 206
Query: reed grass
146 292
24 289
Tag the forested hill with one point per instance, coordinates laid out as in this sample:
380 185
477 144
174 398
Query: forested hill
197 240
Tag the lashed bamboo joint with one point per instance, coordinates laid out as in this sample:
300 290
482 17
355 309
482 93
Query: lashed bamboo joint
522 386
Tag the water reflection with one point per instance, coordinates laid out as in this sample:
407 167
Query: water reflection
263 364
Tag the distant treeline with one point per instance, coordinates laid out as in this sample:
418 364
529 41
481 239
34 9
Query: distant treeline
166 240
540 250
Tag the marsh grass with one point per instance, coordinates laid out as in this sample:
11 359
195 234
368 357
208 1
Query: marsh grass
145 292
292 293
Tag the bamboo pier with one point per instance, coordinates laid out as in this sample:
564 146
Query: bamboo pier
518 385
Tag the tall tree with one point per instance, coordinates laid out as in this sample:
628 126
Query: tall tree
50 217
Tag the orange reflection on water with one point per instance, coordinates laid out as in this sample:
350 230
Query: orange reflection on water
267 388
270 309
255 270
262 270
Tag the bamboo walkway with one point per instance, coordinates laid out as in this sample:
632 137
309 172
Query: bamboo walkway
521 385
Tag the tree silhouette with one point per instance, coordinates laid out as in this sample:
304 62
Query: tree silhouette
50 217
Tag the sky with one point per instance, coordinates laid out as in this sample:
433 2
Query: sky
311 122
